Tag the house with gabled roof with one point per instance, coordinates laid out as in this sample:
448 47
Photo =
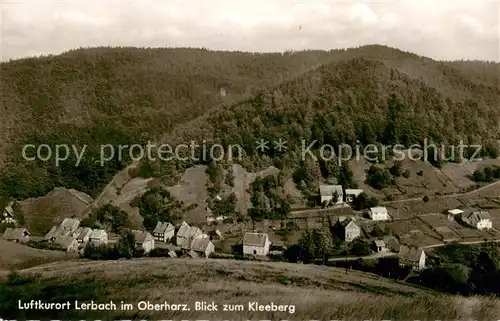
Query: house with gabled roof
70 225
144 240
480 220
186 235
203 247
17 235
347 228
163 232
413 257
98 237
327 193
256 244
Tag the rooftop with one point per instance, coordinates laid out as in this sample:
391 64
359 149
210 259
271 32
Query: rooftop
255 239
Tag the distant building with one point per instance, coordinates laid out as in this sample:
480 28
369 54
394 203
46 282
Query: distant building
144 240
413 257
67 243
256 244
452 214
203 247
17 235
98 237
380 246
186 235
327 193
8 213
348 229
83 235
378 213
480 220
352 194
164 232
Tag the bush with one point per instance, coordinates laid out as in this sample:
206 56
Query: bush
378 178
425 198
406 173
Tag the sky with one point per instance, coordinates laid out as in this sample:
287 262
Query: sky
446 29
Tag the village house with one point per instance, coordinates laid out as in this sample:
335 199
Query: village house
144 240
164 232
352 194
256 244
348 229
412 257
380 246
378 213
392 243
17 235
67 243
8 213
98 237
327 192
480 220
83 234
186 235
70 226
203 247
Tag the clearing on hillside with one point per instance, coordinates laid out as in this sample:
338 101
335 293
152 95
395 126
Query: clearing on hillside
44 212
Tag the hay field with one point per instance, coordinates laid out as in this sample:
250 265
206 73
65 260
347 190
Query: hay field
13 255
318 293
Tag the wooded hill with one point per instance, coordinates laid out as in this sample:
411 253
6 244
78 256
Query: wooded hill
129 95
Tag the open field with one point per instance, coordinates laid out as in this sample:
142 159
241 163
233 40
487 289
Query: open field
431 181
191 189
320 293
13 255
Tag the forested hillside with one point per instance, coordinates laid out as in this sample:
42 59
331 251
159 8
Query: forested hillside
128 95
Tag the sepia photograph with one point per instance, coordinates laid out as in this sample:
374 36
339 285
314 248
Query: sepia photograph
250 160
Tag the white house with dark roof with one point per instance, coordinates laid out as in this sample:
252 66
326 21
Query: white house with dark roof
348 228
144 240
98 237
413 257
327 192
8 213
480 220
17 235
186 235
163 232
256 244
351 194
203 247
378 213
83 234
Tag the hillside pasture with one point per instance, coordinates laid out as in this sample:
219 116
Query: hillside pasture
317 292
18 256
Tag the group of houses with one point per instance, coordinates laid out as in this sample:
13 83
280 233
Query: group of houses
71 237
480 220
